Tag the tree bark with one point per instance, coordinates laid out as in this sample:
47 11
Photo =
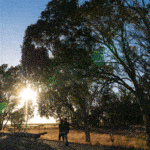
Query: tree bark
145 106
87 131
86 123
1 122
1 125
148 129
146 112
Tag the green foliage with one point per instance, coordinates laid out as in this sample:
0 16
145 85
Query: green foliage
18 118
98 58
10 87
2 106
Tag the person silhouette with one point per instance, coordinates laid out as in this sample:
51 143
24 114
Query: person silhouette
66 129
61 130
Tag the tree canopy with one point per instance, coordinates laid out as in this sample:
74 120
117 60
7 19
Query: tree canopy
119 30
11 84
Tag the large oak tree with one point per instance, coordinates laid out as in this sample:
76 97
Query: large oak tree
68 40
125 33
123 29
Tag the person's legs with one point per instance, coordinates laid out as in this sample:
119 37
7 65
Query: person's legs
66 139
59 136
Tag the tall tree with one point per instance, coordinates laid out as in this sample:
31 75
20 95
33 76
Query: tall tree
63 32
128 47
65 37
63 99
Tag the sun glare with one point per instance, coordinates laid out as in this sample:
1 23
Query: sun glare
29 94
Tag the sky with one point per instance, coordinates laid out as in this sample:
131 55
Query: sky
15 16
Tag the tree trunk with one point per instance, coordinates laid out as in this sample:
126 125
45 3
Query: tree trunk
5 125
146 113
1 126
1 122
86 123
145 109
148 130
87 130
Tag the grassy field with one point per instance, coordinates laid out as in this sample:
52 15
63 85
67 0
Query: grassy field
133 137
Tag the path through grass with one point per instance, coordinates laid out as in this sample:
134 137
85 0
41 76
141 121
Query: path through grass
127 138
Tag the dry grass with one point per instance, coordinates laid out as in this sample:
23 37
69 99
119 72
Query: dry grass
122 138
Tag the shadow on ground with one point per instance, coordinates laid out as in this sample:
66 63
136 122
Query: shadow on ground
121 148
9 142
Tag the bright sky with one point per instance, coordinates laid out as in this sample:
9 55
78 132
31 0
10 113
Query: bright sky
15 16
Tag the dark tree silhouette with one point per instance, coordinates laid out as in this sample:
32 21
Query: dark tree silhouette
65 31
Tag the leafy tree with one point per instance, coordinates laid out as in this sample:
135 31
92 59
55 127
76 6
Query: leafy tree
118 109
18 118
103 101
67 52
128 47
11 84
74 52
60 100
110 30
51 21
6 90
125 111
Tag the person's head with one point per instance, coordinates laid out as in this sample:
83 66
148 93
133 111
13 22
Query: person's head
61 121
65 119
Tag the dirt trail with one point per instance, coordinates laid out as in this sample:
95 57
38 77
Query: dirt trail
72 146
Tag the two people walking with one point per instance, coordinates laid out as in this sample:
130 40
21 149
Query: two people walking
64 130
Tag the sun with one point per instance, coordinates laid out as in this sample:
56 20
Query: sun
28 94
